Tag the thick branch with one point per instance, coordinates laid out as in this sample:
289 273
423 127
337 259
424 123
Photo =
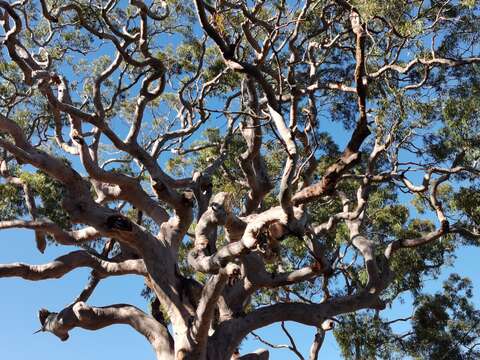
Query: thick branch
250 239
66 263
351 154
93 318
309 314
63 237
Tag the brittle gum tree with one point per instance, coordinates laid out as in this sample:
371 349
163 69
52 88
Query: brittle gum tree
257 162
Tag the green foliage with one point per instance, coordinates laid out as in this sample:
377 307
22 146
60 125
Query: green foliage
466 201
364 336
51 194
11 202
460 119
444 325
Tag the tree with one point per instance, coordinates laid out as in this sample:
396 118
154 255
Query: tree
253 161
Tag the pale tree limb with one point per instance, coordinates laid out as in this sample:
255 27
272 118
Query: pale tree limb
436 204
429 63
255 277
66 263
260 354
247 236
95 278
317 343
93 318
208 303
315 348
29 202
293 346
64 237
128 187
308 314
269 344
351 154
248 241
79 204
251 161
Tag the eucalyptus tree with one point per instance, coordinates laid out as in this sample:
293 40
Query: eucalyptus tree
257 162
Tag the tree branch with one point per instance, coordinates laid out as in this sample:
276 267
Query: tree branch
66 263
93 318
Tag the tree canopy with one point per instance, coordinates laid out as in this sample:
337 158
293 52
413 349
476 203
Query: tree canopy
256 162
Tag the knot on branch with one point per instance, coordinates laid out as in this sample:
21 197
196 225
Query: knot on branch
233 271
77 137
195 253
269 239
328 324
203 182
187 199
206 230
445 226
355 21
119 222
220 205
